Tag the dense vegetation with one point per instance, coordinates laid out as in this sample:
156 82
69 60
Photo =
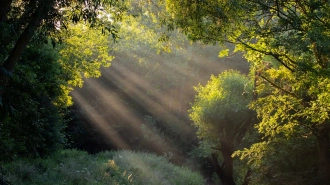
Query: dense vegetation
265 121
287 44
120 167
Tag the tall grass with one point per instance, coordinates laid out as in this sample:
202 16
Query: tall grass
72 167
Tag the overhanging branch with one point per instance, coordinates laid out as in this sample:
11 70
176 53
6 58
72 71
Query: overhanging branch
276 56
279 87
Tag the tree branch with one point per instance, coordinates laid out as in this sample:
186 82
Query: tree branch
280 88
276 56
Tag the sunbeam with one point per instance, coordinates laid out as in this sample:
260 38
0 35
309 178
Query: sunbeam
115 113
141 102
99 121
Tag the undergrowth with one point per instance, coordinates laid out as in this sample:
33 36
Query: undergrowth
72 167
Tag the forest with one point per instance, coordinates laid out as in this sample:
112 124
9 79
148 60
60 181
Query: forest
228 92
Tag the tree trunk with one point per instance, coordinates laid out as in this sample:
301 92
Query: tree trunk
218 169
16 52
4 9
224 171
324 155
228 178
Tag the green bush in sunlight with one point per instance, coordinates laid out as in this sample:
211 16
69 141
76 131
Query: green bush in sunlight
118 167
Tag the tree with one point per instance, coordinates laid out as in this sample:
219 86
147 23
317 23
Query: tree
291 34
82 54
34 113
48 17
31 125
222 117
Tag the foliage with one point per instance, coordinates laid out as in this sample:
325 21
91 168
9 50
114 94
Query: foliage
121 167
287 44
290 160
140 29
30 123
287 111
216 104
48 19
33 111
81 55
208 21
152 82
222 117
35 83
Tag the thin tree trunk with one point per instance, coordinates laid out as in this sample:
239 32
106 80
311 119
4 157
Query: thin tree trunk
16 52
324 155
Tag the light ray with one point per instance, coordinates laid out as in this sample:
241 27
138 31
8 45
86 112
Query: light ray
99 121
146 94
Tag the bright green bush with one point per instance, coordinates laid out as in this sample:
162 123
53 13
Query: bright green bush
120 167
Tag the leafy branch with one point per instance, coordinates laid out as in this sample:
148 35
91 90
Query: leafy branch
279 87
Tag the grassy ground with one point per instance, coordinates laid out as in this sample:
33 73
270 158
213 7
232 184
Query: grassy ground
74 167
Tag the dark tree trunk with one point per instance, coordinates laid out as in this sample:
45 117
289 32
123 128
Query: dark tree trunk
4 9
16 52
224 171
227 151
324 155
218 169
